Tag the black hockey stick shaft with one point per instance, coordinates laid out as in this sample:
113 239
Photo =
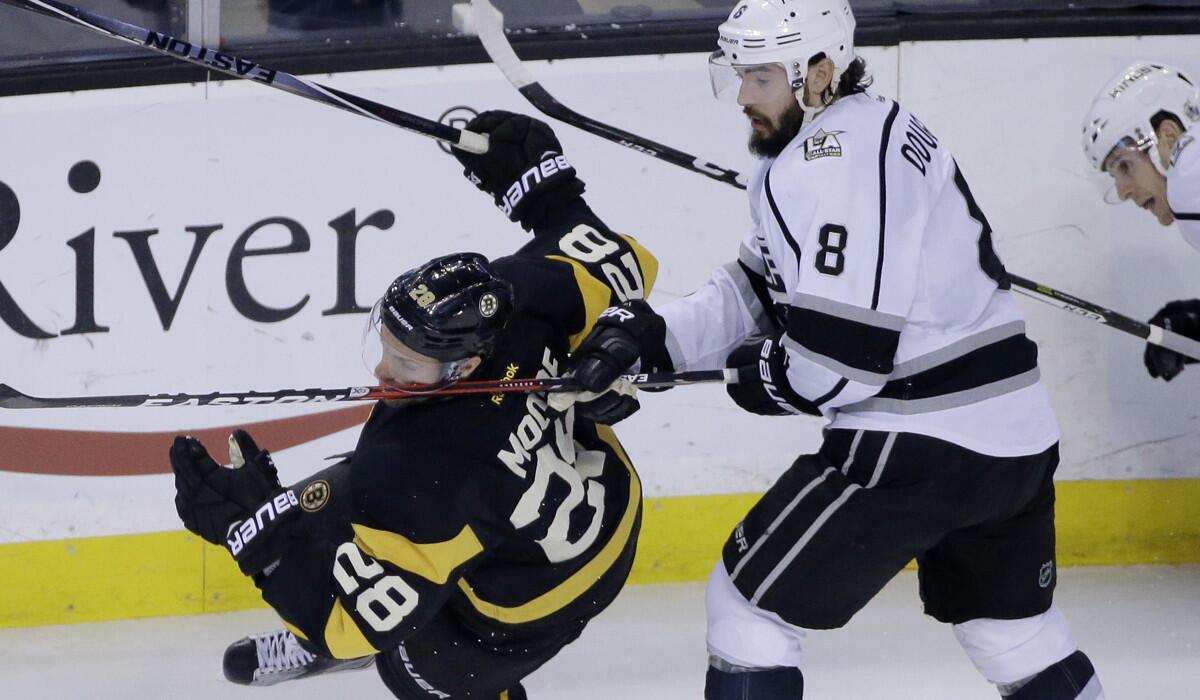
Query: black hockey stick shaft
489 23
1156 335
11 398
223 62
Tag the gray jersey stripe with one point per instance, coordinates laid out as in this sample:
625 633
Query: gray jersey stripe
674 350
844 370
849 312
779 519
802 543
883 458
752 260
957 349
853 448
947 401
761 321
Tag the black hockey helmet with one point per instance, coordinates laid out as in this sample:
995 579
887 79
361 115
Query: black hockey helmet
450 308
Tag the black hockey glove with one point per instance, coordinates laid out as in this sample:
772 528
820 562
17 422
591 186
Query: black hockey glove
762 385
1182 317
240 507
622 335
524 169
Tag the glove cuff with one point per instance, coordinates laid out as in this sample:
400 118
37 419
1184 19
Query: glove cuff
263 536
552 173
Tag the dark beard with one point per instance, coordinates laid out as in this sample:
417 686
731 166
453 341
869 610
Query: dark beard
772 144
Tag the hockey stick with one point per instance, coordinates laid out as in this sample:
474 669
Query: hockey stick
11 398
241 68
1156 335
489 23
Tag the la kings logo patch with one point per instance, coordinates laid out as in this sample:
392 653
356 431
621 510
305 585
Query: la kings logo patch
823 144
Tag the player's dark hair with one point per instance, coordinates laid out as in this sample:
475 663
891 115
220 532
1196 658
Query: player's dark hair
854 79
1162 116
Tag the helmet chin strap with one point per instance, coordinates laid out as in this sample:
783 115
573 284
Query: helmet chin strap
827 98
811 113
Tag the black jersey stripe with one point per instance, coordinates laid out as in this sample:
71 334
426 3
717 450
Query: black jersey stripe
860 351
991 363
783 227
885 140
957 349
1185 216
987 372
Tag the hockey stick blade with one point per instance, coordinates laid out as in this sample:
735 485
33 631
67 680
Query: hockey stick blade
1155 335
223 62
489 23
10 398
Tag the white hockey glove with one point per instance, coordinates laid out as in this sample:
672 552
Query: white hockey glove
608 407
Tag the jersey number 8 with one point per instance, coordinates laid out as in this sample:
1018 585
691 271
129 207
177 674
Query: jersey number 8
589 246
382 604
831 258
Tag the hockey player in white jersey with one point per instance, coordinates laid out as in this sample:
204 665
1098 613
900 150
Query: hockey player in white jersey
866 292
1141 130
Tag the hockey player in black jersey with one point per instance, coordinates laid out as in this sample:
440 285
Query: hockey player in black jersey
866 292
465 540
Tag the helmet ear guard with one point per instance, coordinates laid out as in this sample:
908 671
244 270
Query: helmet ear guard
1122 112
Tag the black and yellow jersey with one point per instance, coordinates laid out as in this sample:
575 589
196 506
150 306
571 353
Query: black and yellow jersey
497 509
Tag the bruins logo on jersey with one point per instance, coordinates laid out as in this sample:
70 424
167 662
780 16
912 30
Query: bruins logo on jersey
823 144
315 496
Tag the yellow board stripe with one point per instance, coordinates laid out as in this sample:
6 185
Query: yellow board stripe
578 583
175 573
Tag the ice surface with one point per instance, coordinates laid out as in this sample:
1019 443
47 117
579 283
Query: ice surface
1140 625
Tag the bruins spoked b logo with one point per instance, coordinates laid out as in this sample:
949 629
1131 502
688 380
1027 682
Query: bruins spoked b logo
488 305
315 496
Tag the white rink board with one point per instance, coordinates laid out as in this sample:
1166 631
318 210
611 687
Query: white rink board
234 154
1012 110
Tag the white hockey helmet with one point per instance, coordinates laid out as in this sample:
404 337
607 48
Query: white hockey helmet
787 32
1121 113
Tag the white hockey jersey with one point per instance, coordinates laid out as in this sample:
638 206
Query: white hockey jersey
868 249
1183 188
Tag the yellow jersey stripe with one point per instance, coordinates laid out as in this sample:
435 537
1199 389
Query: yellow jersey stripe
646 261
578 583
343 638
434 561
597 296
